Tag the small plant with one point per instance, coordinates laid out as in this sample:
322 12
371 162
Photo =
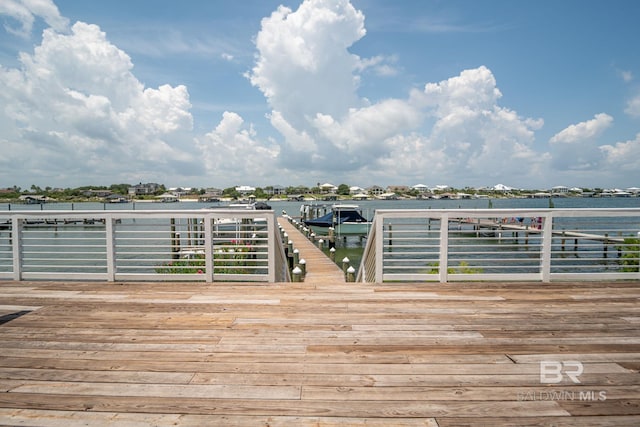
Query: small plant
228 258
462 268
630 258
194 265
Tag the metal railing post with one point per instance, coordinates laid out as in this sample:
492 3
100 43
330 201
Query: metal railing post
444 248
208 249
16 243
111 248
272 236
379 251
547 237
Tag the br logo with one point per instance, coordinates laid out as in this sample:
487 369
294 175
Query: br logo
552 372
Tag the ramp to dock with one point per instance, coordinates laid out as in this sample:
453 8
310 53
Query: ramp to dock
319 267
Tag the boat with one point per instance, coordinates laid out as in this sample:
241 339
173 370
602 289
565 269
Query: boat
345 220
234 224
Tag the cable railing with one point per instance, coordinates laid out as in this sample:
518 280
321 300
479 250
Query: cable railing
184 245
502 245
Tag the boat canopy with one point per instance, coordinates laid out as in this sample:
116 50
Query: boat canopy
341 217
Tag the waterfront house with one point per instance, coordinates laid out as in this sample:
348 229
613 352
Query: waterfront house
328 188
275 190
560 190
356 190
420 188
375 190
245 190
180 191
213 192
501 187
143 189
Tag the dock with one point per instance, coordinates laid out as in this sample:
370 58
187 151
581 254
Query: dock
519 228
319 267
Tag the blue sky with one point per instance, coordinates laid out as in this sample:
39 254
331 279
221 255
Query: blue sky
367 92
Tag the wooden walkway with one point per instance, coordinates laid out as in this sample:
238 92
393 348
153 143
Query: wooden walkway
318 353
319 267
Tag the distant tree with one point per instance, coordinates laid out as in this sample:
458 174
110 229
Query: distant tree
300 189
259 193
231 192
343 189
120 188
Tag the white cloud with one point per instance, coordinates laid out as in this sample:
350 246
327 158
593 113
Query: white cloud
583 131
381 65
303 65
472 135
25 13
296 141
361 136
623 156
575 148
633 106
233 153
75 110
310 79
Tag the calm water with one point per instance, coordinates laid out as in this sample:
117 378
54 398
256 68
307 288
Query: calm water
368 206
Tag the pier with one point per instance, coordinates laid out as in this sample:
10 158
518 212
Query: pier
499 226
319 267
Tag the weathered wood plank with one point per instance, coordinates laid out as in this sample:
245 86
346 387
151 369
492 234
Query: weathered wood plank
325 353
275 407
44 418
601 421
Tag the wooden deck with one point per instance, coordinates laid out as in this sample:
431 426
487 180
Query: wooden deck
317 353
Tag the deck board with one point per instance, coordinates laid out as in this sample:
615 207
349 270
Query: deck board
321 352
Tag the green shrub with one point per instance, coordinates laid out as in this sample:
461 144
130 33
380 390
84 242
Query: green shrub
462 268
230 258
630 253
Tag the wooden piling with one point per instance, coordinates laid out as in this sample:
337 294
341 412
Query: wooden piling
175 240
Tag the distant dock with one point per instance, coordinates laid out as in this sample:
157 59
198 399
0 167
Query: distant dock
480 224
